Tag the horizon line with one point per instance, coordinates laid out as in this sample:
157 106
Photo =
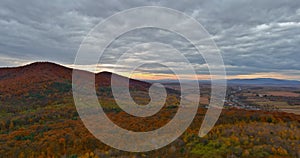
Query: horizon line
71 66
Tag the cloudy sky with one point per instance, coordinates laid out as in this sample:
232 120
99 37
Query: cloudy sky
259 38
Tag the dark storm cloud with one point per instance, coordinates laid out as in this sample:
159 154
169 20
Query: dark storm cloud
253 36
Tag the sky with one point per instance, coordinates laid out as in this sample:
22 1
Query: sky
257 39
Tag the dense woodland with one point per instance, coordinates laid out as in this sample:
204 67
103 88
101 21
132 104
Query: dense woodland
56 130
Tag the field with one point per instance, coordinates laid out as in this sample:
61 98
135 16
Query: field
283 94
285 99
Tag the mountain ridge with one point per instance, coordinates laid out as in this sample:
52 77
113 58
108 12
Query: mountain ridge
44 83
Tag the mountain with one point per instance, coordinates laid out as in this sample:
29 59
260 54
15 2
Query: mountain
264 81
32 75
44 83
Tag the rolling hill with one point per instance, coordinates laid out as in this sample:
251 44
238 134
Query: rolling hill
44 83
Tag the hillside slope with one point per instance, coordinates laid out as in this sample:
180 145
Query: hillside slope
45 83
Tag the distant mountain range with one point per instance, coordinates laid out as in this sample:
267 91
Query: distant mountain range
264 81
256 81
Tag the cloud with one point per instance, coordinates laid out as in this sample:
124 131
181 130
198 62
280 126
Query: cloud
254 37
